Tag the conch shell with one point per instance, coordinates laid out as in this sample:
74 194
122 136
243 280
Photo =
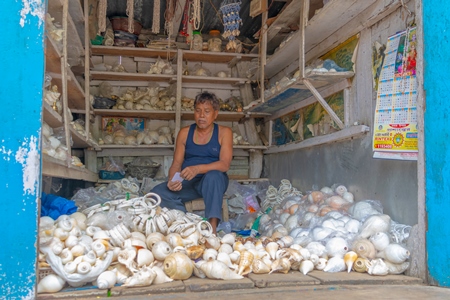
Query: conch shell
178 266
306 266
210 254
144 277
377 267
337 247
106 280
364 248
195 252
380 240
360 265
161 277
349 259
374 224
245 262
217 270
50 284
272 248
229 239
154 237
259 267
144 257
335 264
321 264
161 250
282 265
226 248
396 269
394 253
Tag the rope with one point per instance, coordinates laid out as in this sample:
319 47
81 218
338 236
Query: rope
156 16
196 14
130 14
102 5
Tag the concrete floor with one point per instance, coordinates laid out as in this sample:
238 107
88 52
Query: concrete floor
294 285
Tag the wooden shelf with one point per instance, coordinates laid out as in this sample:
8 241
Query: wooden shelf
137 147
79 141
250 147
216 57
226 116
56 168
52 56
51 117
330 18
102 75
212 79
149 114
132 52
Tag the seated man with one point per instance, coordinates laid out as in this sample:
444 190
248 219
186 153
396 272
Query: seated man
203 152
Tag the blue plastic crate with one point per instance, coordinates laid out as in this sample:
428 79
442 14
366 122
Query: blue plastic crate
110 175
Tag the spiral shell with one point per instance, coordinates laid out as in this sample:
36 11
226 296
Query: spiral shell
360 265
272 248
174 240
144 257
178 266
395 253
50 284
229 239
70 267
210 254
380 240
195 252
321 264
306 266
282 265
259 267
106 280
349 259
245 262
161 277
154 237
84 267
364 248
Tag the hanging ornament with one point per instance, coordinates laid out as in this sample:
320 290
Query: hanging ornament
156 16
102 5
130 14
196 14
231 21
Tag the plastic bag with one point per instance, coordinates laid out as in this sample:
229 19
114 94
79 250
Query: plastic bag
114 165
198 70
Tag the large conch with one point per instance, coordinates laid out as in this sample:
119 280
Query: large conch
374 224
161 277
394 253
50 284
364 248
178 266
106 280
217 270
144 277
377 267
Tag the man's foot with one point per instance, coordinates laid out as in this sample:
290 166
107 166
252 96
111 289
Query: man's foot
214 222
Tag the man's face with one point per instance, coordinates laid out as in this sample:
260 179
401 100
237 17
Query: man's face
204 114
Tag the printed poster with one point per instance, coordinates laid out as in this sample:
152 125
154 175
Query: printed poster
395 124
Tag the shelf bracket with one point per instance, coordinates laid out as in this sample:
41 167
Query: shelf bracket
324 104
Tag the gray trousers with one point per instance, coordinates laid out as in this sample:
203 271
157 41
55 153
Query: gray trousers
211 187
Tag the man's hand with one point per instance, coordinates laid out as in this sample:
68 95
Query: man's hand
174 186
189 172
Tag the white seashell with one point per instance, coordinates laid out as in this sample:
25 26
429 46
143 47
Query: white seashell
304 252
377 267
106 280
80 218
66 256
380 240
226 248
85 241
314 258
138 235
64 222
144 257
75 231
335 264
249 245
161 277
161 250
321 264
394 253
126 257
235 257
154 237
229 239
364 248
362 209
317 248
353 226
282 265
340 190
374 224
272 248
218 270
122 273
319 233
174 240
50 284
90 257
298 247
283 217
285 241
71 241
57 246
84 267
210 254
212 242
61 234
99 248
336 247
259 267
306 266
245 262
78 250
70 267
348 197
143 277
178 266
225 258
91 230
101 234
396 269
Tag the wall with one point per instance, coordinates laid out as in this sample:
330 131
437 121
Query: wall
394 183
437 151
22 62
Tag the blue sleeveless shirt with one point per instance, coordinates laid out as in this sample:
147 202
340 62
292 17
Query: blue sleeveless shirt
201 154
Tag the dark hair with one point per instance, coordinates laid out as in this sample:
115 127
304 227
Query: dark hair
205 97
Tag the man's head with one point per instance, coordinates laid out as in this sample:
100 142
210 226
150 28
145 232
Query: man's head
206 97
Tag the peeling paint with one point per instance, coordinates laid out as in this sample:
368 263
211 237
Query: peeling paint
34 8
30 160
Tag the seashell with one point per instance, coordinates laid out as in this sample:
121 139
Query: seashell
319 233
179 249
283 217
229 239
225 258
66 256
335 264
138 235
332 223
396 269
272 248
302 241
75 231
281 230
326 190
78 250
374 224
314 258
225 248
364 248
249 245
317 248
336 202
57 246
235 257
154 237
245 262
81 220
91 230
126 257
86 241
144 257
122 273
282 265
380 240
362 209
277 235
259 267
315 197
84 267
195 252
304 252
360 265
61 234
178 266
394 253
297 247
325 209
291 222
101 234
99 248
306 266
65 223
161 250
143 277
218 270
90 257
238 246
106 280
293 209
192 238
353 226
321 264
377 267
336 247
349 259
210 254
70 267
50 284
348 197
212 242
340 190
281 253
138 244
161 277
174 240
259 245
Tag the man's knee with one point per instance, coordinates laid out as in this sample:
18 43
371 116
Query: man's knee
215 175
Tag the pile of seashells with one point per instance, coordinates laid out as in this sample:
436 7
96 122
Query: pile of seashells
151 98
162 136
137 243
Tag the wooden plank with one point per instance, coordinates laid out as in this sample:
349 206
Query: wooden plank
149 114
79 141
132 52
226 116
304 12
134 151
57 168
102 75
215 57
212 79
76 13
51 117
344 134
75 91
52 56
263 55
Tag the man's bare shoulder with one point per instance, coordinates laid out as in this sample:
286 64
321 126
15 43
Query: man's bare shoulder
224 129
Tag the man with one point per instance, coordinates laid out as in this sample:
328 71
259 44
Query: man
203 152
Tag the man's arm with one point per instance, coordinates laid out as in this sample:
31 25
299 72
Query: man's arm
178 158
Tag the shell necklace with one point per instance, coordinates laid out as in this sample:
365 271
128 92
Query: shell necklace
196 136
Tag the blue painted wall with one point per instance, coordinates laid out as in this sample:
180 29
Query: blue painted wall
436 23
22 62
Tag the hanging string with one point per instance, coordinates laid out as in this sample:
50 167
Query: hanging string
156 16
102 5
168 16
196 14
130 14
